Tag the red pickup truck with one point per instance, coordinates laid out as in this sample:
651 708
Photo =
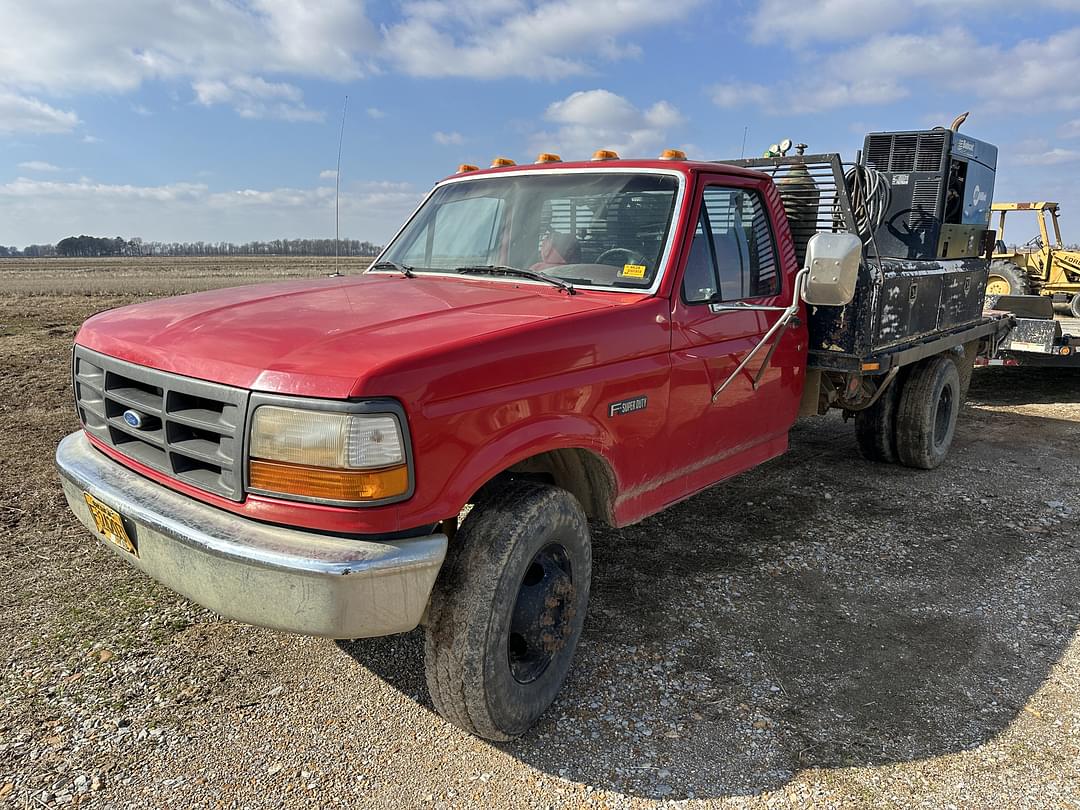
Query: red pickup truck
539 346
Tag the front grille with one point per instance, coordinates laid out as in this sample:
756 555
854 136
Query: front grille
191 429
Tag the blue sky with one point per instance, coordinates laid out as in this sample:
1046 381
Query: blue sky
218 120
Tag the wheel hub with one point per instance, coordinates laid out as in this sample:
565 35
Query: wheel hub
543 612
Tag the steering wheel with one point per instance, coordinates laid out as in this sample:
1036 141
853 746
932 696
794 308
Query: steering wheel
627 255
1035 241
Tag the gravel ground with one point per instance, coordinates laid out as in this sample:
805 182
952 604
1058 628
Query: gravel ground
820 631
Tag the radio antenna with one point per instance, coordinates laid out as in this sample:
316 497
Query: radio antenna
337 193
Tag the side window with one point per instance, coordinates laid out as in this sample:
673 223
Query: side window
699 280
742 243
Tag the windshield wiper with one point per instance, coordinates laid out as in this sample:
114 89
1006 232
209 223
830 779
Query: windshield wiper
504 270
386 264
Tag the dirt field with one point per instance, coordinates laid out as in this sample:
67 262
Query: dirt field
821 631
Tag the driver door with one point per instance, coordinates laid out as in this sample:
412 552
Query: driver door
732 260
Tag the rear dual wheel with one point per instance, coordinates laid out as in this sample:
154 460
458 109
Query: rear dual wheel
926 419
913 422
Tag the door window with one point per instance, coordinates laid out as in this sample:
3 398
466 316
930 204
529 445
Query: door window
734 236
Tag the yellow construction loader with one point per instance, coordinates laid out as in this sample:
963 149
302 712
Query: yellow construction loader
1042 266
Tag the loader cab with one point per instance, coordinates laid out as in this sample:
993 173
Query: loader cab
1047 213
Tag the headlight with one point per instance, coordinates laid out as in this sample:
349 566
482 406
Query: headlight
327 456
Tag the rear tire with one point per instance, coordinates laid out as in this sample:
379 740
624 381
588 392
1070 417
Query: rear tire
926 418
1006 279
875 427
507 609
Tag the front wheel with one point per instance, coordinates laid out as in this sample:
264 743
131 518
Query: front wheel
1074 306
507 609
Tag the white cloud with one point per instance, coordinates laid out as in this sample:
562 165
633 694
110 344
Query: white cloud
739 94
599 119
880 69
328 174
43 211
142 110
39 166
1042 155
114 46
91 139
254 97
236 53
488 39
448 138
810 21
20 113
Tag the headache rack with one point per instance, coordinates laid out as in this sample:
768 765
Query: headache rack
814 193
902 308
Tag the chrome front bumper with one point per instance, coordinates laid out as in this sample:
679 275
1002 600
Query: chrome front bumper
287 579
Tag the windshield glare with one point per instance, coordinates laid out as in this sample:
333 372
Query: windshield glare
600 229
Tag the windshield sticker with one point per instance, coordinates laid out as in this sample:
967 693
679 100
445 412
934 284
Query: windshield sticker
633 271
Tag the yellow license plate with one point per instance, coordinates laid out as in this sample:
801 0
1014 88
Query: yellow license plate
109 524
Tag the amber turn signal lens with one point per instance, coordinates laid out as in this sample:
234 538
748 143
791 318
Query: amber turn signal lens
466 167
501 161
605 154
548 157
331 485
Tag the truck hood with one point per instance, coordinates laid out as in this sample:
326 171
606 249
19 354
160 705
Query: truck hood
320 337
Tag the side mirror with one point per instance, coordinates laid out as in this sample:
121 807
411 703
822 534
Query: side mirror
833 259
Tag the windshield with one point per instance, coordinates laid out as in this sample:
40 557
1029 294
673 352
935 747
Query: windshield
604 229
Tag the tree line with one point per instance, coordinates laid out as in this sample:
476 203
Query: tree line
94 246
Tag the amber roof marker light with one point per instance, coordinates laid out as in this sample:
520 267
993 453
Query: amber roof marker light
605 154
673 154
466 167
548 157
502 161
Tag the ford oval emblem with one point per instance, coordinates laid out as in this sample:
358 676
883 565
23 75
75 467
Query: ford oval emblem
133 418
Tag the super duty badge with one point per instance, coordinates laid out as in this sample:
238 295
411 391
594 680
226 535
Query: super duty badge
625 406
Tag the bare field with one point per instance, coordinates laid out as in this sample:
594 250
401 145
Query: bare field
154 276
818 632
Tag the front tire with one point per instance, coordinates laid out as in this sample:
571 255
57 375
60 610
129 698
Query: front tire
1074 306
507 610
929 407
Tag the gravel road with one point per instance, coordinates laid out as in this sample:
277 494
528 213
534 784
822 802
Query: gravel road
820 631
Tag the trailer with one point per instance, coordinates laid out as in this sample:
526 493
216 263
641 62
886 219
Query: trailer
1038 339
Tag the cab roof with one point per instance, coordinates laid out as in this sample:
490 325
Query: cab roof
687 168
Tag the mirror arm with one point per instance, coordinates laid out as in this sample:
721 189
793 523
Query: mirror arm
777 329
